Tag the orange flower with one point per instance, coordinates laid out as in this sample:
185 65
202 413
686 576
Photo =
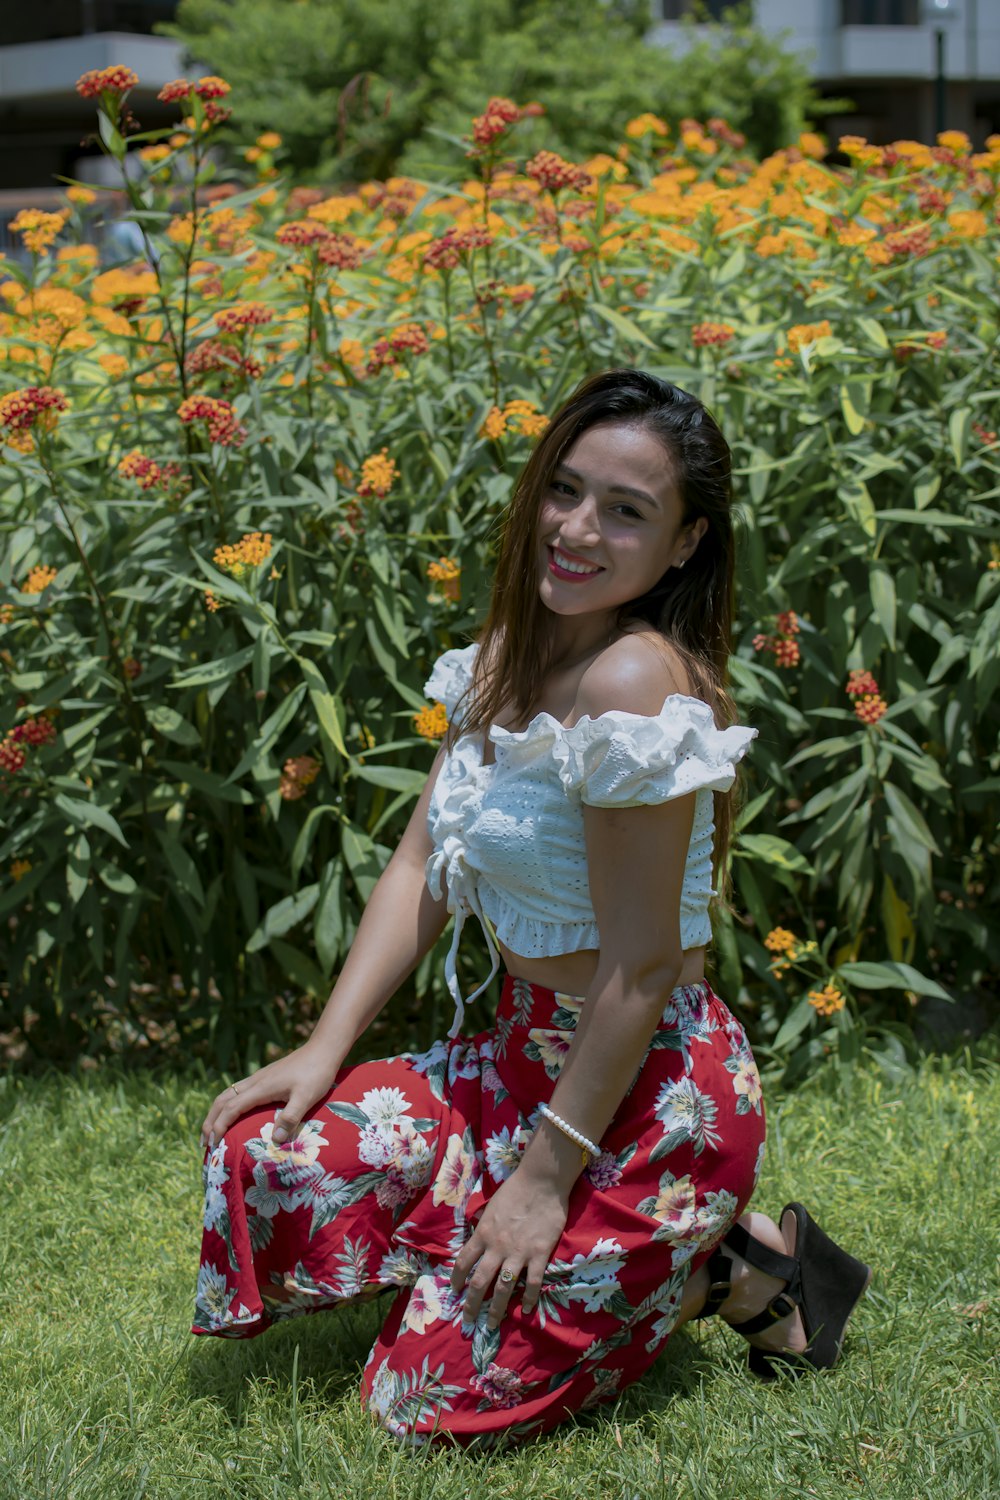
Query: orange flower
378 475
870 708
300 771
249 552
780 940
448 573
39 230
431 723
827 1001
212 604
242 315
38 579
807 333
704 335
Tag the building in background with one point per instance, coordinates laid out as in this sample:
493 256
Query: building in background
882 54
904 64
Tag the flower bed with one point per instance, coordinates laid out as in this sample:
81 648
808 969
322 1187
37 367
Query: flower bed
250 484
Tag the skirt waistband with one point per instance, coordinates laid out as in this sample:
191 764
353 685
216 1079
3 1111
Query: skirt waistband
524 1003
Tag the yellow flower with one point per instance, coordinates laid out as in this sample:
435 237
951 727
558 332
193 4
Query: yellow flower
38 580
115 364
646 124
827 1001
431 723
969 223
81 195
269 141
746 1081
378 475
779 940
211 602
495 424
39 230
252 549
807 333
955 140
19 868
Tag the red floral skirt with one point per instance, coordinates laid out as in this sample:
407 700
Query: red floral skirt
383 1183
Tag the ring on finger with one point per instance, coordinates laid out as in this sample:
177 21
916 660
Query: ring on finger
507 1276
234 1089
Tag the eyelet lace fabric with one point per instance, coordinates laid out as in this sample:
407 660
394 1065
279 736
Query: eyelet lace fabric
509 837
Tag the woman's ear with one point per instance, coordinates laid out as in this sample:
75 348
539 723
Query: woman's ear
695 532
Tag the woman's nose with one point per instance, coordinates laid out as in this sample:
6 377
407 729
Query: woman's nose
582 523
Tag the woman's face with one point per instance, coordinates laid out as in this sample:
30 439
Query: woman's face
613 513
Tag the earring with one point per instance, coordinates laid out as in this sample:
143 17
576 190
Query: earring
682 562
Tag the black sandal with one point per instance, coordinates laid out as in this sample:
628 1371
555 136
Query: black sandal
821 1279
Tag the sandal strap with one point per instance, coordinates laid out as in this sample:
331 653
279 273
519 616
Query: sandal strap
720 1270
778 1307
784 1267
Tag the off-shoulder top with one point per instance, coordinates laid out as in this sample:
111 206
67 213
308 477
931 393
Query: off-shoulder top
509 837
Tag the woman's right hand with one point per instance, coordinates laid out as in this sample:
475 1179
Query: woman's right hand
296 1082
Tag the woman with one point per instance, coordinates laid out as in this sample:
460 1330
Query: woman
552 1197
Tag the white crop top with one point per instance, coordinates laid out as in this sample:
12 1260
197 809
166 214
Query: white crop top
509 838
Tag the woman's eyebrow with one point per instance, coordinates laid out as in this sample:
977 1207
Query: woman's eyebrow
615 489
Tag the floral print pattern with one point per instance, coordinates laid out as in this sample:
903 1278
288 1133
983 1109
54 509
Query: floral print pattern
383 1185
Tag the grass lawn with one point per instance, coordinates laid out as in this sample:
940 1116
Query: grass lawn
106 1395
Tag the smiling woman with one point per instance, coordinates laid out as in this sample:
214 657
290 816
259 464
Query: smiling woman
549 1198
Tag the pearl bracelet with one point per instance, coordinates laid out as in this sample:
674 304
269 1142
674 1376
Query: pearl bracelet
587 1148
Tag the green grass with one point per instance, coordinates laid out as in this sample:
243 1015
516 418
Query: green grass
105 1394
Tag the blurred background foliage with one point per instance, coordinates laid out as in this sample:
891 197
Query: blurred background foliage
249 490
389 86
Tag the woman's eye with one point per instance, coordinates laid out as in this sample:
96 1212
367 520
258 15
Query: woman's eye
560 484
631 511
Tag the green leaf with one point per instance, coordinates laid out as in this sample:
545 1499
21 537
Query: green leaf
909 816
283 916
891 976
621 324
169 723
209 783
361 854
221 670
300 968
959 424
270 731
90 815
794 1024
328 922
854 419
183 867
752 808
774 851
874 332
883 593
397 778
77 868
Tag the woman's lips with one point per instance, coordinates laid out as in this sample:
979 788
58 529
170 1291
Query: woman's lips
570 577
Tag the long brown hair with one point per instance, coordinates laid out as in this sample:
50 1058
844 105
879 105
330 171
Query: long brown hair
692 607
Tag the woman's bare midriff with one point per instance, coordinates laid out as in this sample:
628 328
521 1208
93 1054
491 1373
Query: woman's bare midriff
573 973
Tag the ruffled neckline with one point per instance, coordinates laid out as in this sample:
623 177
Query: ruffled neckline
556 730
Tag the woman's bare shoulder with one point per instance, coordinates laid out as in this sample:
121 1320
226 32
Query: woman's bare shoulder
635 674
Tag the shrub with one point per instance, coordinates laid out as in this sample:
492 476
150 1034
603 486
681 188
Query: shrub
250 485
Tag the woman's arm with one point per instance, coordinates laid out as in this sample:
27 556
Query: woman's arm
401 922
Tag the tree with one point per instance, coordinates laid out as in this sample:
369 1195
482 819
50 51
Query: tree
363 90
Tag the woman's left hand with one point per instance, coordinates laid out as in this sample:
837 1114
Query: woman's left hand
517 1232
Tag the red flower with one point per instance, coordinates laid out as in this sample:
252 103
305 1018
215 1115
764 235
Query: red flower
20 410
177 92
219 416
704 335
212 88
860 683
499 115
553 173
114 80
446 252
